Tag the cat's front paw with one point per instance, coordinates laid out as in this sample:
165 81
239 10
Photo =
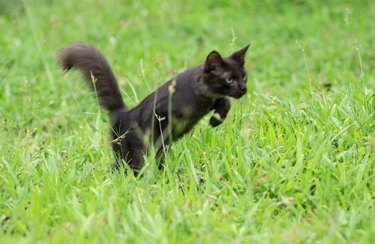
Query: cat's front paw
215 120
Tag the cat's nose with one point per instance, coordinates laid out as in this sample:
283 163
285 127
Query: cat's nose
242 87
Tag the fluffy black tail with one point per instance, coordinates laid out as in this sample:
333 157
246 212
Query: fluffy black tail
97 72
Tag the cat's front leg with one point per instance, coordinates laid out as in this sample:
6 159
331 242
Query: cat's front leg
221 109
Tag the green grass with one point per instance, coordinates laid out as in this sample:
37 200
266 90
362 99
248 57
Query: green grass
293 162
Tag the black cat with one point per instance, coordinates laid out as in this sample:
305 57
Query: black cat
170 111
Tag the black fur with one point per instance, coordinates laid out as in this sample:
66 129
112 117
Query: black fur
169 112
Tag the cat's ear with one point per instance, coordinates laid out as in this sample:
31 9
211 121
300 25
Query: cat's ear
239 55
213 61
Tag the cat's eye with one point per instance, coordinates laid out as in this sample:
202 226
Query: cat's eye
229 81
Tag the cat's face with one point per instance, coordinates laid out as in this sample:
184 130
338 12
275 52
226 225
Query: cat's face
226 76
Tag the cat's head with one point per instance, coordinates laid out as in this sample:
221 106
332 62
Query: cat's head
226 76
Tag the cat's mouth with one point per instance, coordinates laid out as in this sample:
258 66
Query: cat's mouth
238 94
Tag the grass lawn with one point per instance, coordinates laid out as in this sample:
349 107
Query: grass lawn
293 162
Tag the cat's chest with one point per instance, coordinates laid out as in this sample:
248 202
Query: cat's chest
191 109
